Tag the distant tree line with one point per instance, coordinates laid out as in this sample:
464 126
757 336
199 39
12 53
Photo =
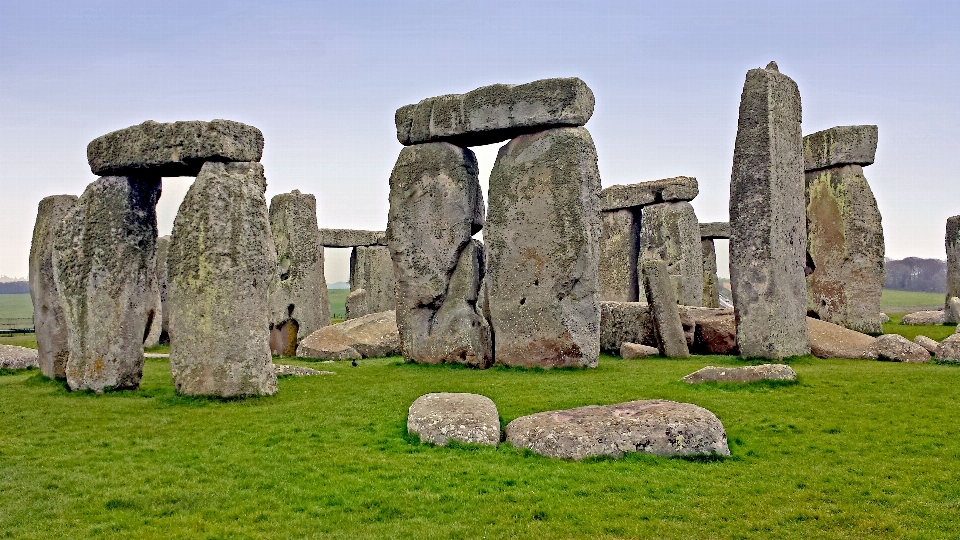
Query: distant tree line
20 287
918 275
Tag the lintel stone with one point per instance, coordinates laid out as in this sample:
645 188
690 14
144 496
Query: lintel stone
715 231
841 145
340 238
681 188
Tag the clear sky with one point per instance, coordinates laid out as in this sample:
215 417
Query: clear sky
322 80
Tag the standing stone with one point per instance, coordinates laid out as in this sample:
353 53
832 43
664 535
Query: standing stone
543 250
952 242
619 251
49 321
372 285
436 205
104 257
671 233
221 263
671 340
768 234
711 283
163 248
298 295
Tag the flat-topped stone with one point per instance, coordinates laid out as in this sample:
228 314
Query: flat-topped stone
681 188
828 340
173 149
445 416
841 145
718 230
496 113
339 238
746 374
15 357
924 318
630 351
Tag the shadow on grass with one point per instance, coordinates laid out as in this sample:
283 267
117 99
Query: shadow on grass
8 371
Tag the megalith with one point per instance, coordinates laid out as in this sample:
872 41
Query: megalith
49 321
436 205
372 285
221 263
671 233
711 282
659 288
619 252
543 249
163 248
768 234
103 259
952 241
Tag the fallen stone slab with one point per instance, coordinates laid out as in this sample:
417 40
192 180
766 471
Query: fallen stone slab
14 357
671 340
629 322
371 336
173 149
948 351
715 230
439 418
929 344
496 113
746 374
828 340
841 145
952 244
285 370
896 348
680 188
924 318
659 427
341 238
630 351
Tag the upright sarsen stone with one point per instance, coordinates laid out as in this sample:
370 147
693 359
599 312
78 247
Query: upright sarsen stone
373 289
619 251
221 263
952 241
543 247
671 233
711 283
49 321
768 237
163 248
104 257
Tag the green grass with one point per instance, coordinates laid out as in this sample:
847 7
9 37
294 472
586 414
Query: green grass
338 299
909 331
908 302
838 455
22 340
16 311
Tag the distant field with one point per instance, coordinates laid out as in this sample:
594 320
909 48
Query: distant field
16 311
338 299
907 301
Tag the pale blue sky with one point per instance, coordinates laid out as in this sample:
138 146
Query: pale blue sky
322 80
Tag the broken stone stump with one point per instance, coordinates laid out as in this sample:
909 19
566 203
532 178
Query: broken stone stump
619 251
436 205
671 233
49 321
622 322
768 233
952 242
221 262
660 291
103 257
443 417
371 270
746 374
543 250
929 344
631 351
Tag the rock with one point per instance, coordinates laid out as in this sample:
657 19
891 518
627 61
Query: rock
621 322
221 263
715 231
953 310
629 351
436 205
340 238
709 330
104 256
174 149
896 348
49 320
924 318
496 113
443 417
655 426
845 249
663 307
619 250
746 374
711 283
884 318
952 242
948 350
927 343
371 336
828 340
681 188
543 250
163 248
299 305
768 240
671 233
841 145
14 357
371 270
283 370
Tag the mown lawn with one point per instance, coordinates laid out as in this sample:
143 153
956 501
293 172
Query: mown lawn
908 302
856 449
935 332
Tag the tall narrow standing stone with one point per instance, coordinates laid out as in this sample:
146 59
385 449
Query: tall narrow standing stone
543 248
711 283
48 317
952 241
659 289
619 252
671 233
221 262
768 239
373 289
104 257
163 248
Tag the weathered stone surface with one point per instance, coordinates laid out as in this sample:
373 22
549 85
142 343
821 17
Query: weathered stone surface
828 340
681 188
371 270
929 344
371 336
299 305
163 248
711 283
543 250
14 357
619 251
659 427
49 321
443 417
668 329
884 318
746 374
953 310
625 322
104 256
436 205
924 318
768 234
496 113
896 348
671 233
630 351
845 249
841 145
283 370
341 238
718 230
709 330
221 262
948 351
952 243
173 149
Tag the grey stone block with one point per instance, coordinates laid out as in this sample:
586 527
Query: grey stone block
715 231
671 340
619 250
625 322
841 145
681 188
671 233
340 238
952 242
711 283
371 269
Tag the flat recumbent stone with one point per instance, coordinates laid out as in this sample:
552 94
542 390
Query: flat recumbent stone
443 417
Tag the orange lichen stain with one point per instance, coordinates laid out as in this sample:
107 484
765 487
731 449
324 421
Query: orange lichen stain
98 366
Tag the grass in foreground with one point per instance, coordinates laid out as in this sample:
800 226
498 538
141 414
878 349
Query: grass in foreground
856 449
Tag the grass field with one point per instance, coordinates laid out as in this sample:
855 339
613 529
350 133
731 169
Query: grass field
908 302
337 299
